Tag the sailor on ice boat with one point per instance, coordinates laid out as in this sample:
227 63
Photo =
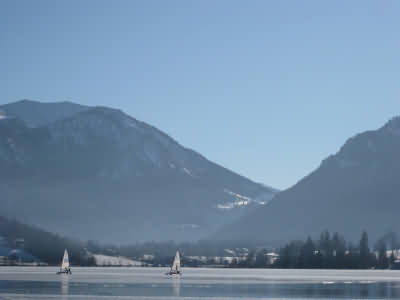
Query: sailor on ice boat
176 265
65 268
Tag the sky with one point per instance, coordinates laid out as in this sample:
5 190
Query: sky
265 88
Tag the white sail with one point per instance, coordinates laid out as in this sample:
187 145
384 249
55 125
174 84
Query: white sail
176 265
65 261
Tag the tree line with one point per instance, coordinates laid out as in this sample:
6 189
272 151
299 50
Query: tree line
330 251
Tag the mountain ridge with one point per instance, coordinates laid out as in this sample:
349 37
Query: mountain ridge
352 190
107 171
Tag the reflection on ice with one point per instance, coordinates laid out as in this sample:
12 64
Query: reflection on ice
176 284
64 284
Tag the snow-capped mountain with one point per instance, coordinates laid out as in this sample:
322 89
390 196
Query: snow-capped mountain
356 189
97 173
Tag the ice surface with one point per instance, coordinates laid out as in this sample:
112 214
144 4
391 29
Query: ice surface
201 283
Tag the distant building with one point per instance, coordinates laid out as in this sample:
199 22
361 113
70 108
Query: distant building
396 253
271 257
396 265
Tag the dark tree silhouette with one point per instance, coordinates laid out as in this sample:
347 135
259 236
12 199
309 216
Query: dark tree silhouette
365 255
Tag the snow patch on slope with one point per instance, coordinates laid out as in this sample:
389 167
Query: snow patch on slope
106 260
3 115
187 171
241 200
238 196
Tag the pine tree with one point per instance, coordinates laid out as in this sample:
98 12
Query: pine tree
284 257
260 259
364 257
339 250
307 254
325 246
391 259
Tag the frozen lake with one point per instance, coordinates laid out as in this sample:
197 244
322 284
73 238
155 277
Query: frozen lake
151 283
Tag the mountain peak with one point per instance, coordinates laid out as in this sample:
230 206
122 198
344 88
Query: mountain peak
393 125
108 112
37 114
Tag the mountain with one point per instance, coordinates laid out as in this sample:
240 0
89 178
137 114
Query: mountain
46 246
356 189
36 114
97 173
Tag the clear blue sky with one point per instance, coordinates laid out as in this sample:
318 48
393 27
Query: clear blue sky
265 88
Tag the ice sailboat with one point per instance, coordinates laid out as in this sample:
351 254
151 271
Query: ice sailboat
65 267
176 265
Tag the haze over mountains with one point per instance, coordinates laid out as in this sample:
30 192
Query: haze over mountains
97 173
356 189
